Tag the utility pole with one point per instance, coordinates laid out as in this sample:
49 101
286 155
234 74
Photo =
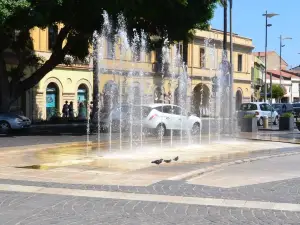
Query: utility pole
231 72
266 47
267 15
225 31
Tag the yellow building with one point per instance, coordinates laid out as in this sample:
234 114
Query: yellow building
69 83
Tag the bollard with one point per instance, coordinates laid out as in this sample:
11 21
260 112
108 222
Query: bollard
265 122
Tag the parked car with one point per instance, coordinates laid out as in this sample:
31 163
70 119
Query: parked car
164 117
158 118
296 107
259 109
12 121
283 108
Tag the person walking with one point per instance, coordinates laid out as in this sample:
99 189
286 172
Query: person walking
81 111
71 111
65 109
91 110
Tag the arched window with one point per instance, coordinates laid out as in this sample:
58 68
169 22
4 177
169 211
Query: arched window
52 100
201 100
82 101
238 99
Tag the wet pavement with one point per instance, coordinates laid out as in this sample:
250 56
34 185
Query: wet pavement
89 193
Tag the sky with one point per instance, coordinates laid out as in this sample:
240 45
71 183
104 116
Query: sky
248 22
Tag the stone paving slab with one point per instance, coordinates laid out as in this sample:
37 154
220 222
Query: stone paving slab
152 198
131 169
36 209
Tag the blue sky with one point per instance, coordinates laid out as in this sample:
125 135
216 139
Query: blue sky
249 22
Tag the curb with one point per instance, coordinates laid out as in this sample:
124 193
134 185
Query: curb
199 172
268 140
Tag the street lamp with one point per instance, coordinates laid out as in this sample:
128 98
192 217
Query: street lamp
281 46
231 72
267 15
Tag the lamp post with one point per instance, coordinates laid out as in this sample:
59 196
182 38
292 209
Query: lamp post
267 15
231 72
281 46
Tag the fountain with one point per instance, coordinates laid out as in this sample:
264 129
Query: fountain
129 98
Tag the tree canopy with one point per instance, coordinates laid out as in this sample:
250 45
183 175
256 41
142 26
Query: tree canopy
277 91
172 18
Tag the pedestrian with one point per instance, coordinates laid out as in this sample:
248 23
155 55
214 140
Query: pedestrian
91 110
65 109
81 111
71 110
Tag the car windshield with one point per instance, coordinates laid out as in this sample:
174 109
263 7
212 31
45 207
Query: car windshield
248 107
277 106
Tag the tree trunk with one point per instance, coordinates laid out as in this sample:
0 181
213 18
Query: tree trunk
224 62
185 46
5 98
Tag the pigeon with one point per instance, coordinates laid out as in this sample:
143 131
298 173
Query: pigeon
168 160
176 158
157 162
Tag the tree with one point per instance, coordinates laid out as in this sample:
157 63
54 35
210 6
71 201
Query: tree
277 91
172 18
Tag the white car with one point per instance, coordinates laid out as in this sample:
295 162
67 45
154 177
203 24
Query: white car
166 117
158 118
260 110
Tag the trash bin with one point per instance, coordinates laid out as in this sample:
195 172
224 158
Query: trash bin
265 122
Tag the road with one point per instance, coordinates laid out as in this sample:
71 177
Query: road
265 191
74 133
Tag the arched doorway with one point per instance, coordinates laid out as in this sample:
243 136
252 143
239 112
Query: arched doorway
52 100
201 95
110 95
238 99
82 100
135 93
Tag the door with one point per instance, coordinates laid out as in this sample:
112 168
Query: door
271 112
263 110
180 118
267 110
168 117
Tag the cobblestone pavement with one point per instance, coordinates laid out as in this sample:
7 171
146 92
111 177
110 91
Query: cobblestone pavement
19 207
23 208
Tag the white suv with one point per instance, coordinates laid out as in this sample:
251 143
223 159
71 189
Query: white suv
260 110
163 117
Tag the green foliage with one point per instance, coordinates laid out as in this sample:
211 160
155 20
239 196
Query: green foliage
247 116
277 91
174 19
287 115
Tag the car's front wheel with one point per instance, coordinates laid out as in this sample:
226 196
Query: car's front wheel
4 127
260 122
160 130
196 129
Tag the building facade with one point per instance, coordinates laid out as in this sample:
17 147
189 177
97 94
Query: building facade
273 60
257 77
290 84
74 83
